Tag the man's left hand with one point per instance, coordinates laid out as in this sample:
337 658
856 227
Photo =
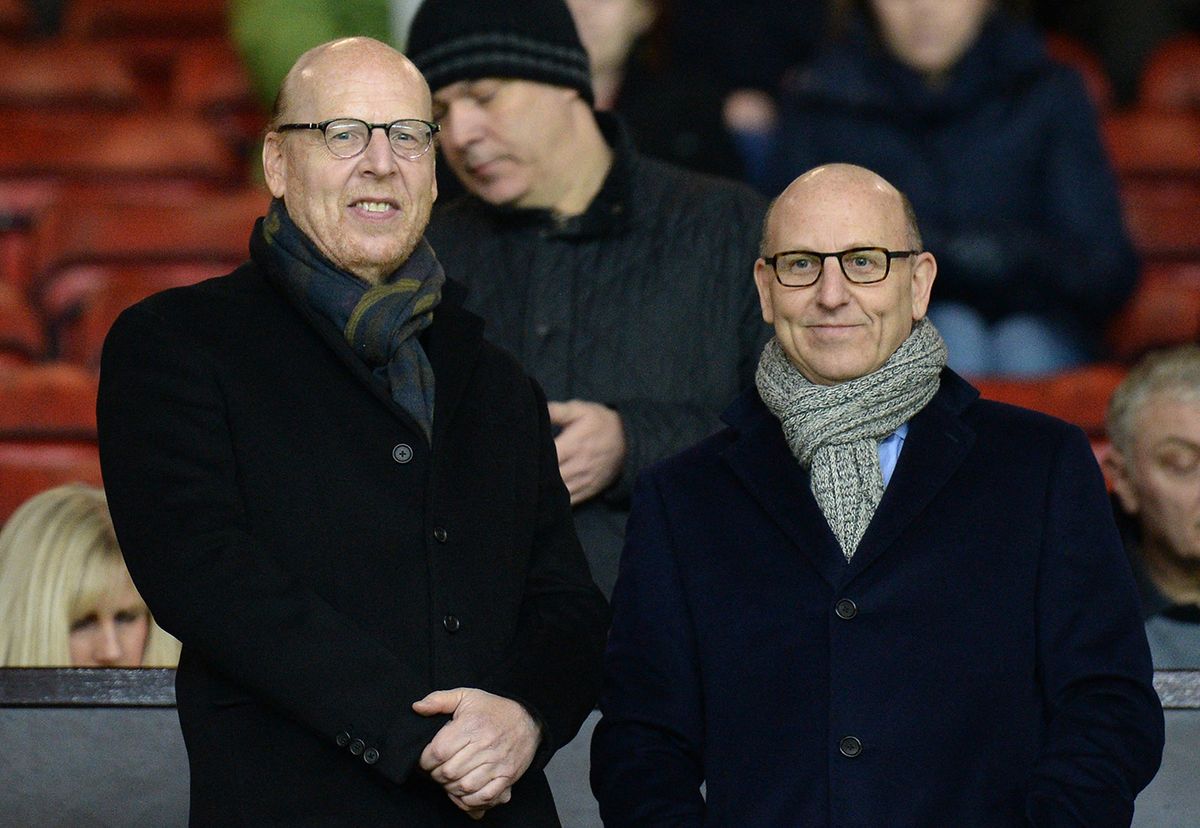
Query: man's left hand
591 446
482 751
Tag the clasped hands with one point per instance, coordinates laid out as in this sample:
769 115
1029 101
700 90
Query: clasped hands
482 751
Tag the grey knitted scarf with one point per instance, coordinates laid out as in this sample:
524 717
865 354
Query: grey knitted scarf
834 430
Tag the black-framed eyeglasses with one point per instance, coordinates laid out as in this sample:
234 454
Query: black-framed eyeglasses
861 265
347 137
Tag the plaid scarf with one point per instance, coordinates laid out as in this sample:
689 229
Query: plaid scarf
380 322
834 430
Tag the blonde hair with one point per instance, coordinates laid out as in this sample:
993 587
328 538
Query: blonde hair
58 556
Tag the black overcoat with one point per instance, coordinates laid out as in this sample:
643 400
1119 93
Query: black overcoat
325 566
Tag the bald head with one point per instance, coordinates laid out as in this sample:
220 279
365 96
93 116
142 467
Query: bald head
335 58
849 184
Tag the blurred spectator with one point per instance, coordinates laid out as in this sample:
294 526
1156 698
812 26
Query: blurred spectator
1154 465
746 46
957 103
66 598
672 115
622 283
1122 33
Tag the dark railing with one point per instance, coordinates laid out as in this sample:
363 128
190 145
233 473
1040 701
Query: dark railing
86 687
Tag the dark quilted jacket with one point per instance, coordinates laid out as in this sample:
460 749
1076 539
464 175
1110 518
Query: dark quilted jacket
646 302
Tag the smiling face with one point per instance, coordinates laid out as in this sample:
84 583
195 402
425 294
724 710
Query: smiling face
510 141
834 330
1160 479
367 213
930 36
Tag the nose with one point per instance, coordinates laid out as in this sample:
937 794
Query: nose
831 284
378 157
107 647
461 125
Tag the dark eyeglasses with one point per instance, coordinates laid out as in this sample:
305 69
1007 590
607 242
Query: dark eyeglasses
348 137
861 265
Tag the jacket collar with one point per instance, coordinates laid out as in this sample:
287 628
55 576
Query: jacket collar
938 441
452 343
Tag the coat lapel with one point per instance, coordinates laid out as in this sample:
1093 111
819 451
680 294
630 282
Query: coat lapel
938 441
761 459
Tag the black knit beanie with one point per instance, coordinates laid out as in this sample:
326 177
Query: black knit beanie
454 40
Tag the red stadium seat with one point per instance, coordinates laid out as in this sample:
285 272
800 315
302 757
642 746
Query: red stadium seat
22 338
1163 216
29 467
49 401
1171 79
63 74
95 19
1164 311
1071 51
1144 142
1079 396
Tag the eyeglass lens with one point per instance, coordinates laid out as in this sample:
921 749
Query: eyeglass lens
349 137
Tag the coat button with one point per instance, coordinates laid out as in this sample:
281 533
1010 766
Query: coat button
357 746
850 746
440 534
451 623
845 609
343 739
370 756
402 453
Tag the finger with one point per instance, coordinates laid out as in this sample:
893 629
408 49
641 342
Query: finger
444 746
489 795
439 701
473 813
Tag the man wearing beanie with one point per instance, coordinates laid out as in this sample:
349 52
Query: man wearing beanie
620 282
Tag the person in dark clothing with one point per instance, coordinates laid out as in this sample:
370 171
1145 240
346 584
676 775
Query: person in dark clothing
999 150
673 115
344 501
620 282
1154 465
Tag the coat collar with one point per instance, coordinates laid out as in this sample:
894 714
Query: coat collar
938 441
452 344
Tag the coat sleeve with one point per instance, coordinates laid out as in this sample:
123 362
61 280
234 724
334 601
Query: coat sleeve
553 666
169 468
647 747
1104 736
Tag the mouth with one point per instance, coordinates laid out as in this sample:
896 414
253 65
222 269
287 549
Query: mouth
375 207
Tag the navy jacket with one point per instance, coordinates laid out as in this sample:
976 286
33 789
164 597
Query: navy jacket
980 661
325 566
1004 166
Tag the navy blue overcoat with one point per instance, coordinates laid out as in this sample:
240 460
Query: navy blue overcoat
979 662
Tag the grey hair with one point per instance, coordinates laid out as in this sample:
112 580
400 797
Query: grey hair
1173 372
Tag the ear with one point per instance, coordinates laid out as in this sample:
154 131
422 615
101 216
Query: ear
764 277
923 273
274 164
1116 468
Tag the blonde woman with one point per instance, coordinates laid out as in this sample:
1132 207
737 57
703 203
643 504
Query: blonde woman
66 598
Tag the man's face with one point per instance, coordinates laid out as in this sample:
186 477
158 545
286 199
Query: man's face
507 140
930 35
834 330
1160 481
365 213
